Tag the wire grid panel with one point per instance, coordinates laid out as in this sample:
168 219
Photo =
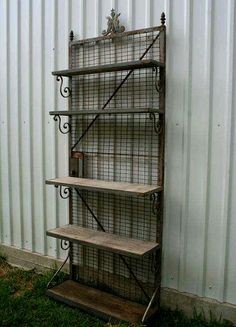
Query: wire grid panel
117 147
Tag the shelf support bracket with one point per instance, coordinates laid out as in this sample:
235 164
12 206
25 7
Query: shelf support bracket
65 245
65 192
66 92
63 128
121 257
158 124
158 85
156 203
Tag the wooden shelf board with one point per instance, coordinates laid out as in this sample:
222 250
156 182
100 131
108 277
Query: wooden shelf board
130 65
102 304
106 112
131 189
104 241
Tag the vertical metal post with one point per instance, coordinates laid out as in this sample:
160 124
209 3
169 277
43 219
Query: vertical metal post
72 166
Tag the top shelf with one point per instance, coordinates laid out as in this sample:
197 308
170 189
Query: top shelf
106 112
130 65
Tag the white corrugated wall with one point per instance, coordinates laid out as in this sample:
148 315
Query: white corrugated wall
200 187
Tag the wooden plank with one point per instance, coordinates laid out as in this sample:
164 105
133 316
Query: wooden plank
104 305
130 65
106 111
104 241
132 189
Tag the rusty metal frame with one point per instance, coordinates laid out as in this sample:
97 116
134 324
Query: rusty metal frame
159 126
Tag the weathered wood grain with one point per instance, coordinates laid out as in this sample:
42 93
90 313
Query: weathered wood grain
131 189
97 302
105 241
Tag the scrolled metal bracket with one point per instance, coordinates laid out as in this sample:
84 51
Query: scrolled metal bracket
65 245
158 84
155 262
158 125
66 92
156 203
65 192
63 128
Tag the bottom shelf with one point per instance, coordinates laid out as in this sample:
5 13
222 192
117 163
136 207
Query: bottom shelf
94 301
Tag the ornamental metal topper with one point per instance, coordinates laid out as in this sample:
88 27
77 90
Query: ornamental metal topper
113 24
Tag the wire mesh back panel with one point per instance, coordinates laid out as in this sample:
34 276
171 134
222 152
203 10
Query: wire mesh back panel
117 147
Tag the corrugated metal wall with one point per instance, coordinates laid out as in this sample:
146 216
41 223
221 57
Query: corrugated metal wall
200 211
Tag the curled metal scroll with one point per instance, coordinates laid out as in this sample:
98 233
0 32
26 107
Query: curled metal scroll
158 125
157 81
155 262
65 192
66 92
65 245
156 203
155 294
63 128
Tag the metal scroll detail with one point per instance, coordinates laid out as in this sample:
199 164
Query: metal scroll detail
155 262
64 192
66 92
65 245
156 204
63 128
158 124
158 84
113 24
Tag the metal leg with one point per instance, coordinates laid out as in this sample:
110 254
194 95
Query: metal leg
150 304
66 92
65 247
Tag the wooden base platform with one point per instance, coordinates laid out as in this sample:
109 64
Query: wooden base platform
104 241
102 304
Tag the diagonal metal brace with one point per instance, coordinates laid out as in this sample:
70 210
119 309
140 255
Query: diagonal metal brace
121 257
114 93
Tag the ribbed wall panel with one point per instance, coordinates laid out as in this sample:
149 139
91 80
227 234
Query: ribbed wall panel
200 186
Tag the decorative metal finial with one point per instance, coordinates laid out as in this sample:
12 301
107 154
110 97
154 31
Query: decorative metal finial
71 35
163 18
113 24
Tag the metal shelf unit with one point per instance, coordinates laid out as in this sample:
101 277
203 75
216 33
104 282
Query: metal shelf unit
116 95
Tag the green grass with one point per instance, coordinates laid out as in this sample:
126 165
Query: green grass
23 303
